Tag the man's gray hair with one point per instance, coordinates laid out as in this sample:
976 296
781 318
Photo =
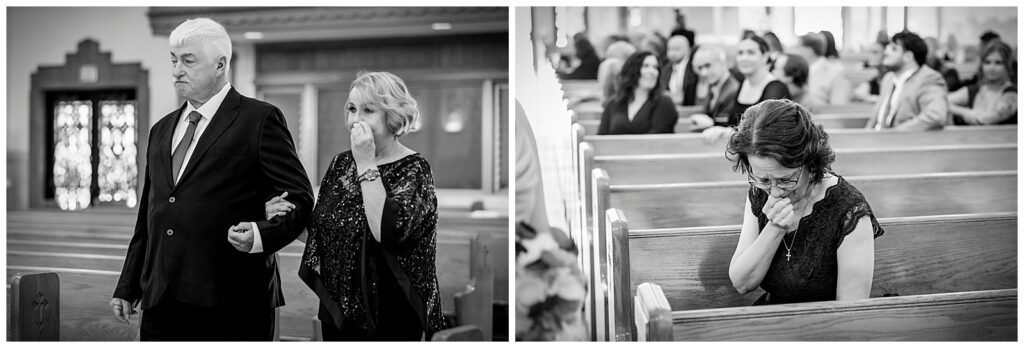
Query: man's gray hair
714 51
207 33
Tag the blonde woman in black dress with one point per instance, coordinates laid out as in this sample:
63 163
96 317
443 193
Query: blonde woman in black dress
370 250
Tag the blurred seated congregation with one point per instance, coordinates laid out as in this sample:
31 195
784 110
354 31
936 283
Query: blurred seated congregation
631 117
83 95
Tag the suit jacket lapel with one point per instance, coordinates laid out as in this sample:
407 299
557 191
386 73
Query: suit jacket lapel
225 116
163 145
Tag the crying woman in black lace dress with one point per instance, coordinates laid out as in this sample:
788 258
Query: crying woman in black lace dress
807 235
370 249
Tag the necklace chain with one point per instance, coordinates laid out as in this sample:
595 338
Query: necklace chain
787 245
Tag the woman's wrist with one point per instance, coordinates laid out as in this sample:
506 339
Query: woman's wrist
774 230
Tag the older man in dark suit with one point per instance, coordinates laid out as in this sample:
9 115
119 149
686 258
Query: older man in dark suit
710 64
202 261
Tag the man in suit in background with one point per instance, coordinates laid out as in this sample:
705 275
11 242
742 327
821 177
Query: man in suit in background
912 95
678 74
202 260
710 64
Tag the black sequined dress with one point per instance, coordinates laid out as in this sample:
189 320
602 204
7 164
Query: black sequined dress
812 272
387 290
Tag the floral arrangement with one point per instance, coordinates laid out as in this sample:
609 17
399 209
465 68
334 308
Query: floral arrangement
550 288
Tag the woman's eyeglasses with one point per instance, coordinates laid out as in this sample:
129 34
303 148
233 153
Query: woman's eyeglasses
766 185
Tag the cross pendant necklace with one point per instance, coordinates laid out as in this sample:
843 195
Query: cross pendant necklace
789 247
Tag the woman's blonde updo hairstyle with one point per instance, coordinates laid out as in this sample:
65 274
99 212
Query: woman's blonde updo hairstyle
390 93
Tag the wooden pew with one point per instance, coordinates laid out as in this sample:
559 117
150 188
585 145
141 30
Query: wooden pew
721 203
474 305
989 315
581 89
618 147
684 125
708 167
106 259
72 227
653 314
911 258
84 302
608 145
34 307
593 110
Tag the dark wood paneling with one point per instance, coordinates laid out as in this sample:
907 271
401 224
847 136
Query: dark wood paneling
466 52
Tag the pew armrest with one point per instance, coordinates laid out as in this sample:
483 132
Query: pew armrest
653 313
475 303
34 307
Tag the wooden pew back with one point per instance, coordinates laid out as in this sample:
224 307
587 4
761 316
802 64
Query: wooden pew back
708 167
649 144
721 203
683 125
916 255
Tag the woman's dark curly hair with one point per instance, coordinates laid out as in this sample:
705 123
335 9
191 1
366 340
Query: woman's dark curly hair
629 78
783 130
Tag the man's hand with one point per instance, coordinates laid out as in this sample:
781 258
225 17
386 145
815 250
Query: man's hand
123 310
240 236
701 121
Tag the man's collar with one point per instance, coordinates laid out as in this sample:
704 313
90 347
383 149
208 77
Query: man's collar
721 80
682 63
209 108
904 76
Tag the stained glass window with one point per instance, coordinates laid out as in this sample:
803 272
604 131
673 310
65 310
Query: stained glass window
117 169
72 166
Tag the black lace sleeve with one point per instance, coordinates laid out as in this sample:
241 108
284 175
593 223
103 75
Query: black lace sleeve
857 209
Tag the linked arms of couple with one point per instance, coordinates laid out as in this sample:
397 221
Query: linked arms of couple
241 237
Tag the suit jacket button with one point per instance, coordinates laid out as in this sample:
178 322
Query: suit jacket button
171 200
170 232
